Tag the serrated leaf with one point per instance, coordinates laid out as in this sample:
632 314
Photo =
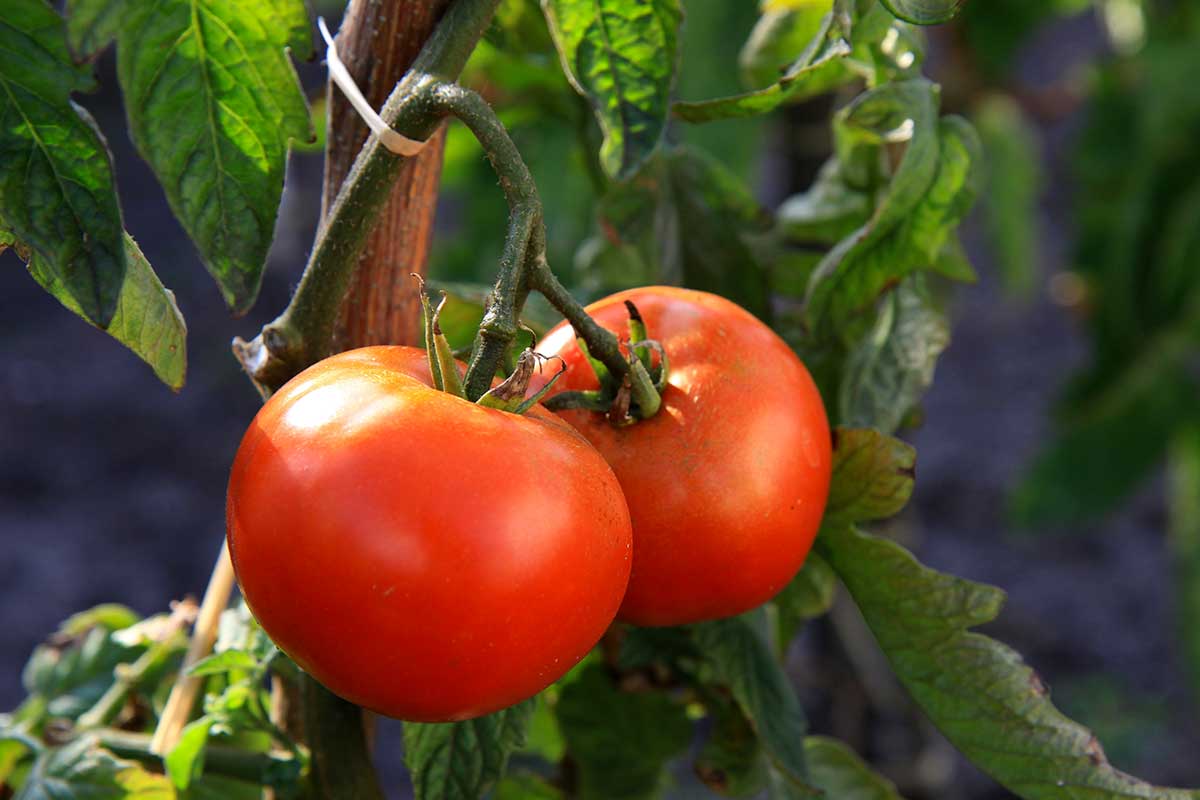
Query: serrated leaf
924 12
978 691
83 770
57 190
929 193
212 101
463 760
840 773
889 371
817 70
146 320
621 55
807 596
873 476
620 741
93 24
742 660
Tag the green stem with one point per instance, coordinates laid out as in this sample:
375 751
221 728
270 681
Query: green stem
602 344
523 264
302 334
526 233
341 757
229 762
129 679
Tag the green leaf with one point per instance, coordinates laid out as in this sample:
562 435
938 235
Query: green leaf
889 371
1014 178
83 770
186 759
526 787
72 674
57 191
732 761
621 55
1183 509
146 320
807 596
841 774
929 193
212 101
93 24
620 741
830 210
978 692
109 616
689 219
742 660
221 663
1076 478
817 70
544 738
781 35
873 476
463 760
924 12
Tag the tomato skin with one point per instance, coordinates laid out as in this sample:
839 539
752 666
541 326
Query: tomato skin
726 485
419 555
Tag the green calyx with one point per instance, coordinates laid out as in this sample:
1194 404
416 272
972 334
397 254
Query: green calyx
633 396
508 395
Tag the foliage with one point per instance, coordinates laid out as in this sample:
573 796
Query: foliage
853 272
95 691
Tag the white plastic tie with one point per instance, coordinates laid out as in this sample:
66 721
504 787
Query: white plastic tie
394 141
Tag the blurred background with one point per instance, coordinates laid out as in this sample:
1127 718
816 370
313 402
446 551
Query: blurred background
1053 449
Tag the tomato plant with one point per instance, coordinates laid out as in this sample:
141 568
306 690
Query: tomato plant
370 549
727 482
416 535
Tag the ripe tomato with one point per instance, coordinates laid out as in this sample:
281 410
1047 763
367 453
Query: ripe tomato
422 556
727 483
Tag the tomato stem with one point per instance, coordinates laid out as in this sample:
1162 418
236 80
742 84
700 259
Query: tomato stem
303 333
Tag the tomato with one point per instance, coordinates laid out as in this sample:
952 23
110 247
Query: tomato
727 483
419 555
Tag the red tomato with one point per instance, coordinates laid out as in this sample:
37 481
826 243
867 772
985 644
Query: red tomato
419 555
727 483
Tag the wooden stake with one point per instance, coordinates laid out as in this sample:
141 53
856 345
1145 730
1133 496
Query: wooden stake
204 636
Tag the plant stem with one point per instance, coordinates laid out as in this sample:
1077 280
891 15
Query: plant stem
523 264
258 768
302 334
526 233
128 680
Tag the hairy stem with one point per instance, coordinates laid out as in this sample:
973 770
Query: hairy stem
526 233
523 264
